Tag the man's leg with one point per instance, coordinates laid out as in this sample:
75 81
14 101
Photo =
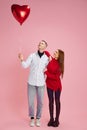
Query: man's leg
31 96
40 95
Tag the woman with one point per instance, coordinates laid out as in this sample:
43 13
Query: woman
55 70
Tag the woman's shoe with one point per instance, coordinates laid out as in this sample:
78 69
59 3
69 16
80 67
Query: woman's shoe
51 122
56 123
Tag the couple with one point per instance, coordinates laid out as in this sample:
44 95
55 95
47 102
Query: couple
38 61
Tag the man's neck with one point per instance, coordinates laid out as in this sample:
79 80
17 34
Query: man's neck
41 51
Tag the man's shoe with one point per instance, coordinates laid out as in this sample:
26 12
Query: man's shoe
32 123
38 122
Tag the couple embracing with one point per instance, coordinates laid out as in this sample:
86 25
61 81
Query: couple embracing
37 62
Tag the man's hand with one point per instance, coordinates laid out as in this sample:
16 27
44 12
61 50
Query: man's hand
20 56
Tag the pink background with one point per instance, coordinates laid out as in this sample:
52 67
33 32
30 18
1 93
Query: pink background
63 24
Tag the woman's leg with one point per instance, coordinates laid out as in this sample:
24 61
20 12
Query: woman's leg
51 106
57 102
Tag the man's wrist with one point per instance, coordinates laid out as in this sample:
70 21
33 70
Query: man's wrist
21 60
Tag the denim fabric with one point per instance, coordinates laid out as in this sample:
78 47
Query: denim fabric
39 93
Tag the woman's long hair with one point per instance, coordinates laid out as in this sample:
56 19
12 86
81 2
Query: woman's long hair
61 61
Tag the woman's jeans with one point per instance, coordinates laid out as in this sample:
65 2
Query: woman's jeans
54 95
39 93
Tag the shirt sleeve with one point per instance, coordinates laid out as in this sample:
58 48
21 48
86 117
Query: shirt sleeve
47 53
26 64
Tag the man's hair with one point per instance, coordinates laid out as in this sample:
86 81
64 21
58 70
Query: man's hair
44 42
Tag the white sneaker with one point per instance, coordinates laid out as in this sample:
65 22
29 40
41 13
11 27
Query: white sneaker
38 122
32 123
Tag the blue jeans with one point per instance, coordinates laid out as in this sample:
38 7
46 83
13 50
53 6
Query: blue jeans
39 93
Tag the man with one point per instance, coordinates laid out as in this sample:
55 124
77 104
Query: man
36 81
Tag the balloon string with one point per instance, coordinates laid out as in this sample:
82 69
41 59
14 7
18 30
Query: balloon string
20 40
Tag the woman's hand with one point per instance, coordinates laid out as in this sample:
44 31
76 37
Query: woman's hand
50 58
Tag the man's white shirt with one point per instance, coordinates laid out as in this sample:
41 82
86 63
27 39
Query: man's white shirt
37 66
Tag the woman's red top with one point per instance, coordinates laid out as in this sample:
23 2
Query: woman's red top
53 75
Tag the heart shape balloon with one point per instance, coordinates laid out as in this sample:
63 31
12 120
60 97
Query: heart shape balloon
20 13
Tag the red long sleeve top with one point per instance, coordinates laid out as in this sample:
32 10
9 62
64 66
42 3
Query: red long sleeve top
53 75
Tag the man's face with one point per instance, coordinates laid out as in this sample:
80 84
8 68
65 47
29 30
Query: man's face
42 45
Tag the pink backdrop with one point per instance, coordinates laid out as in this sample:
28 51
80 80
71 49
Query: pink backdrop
63 24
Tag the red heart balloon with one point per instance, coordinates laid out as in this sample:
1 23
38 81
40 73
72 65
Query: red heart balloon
20 12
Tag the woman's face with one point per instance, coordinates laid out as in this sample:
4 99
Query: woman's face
56 54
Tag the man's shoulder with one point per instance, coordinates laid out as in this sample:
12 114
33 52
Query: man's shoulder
33 54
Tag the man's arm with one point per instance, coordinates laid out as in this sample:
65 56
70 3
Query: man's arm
26 63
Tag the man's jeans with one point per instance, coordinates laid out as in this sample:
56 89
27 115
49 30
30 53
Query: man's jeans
39 93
